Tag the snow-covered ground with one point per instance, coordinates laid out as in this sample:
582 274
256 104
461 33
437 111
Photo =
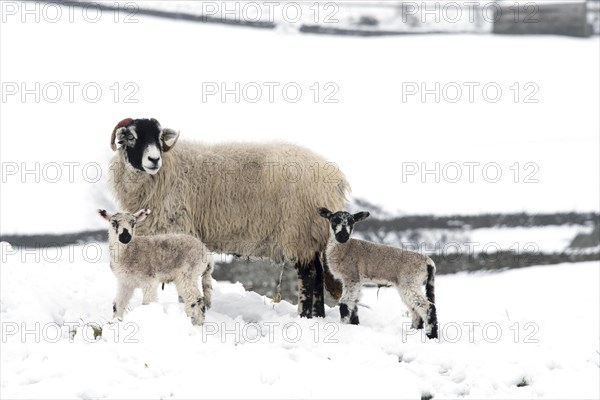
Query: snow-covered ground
529 333
54 153
383 138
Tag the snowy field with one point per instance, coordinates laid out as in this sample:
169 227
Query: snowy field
527 333
384 139
530 333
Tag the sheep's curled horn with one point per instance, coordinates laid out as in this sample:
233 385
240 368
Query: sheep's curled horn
124 123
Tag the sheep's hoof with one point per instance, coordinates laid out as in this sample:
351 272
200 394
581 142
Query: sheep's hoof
433 334
354 320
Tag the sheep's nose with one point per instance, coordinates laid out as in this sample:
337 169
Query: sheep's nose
154 160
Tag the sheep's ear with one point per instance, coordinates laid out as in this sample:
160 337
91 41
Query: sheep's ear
141 215
361 216
104 214
325 213
168 138
120 128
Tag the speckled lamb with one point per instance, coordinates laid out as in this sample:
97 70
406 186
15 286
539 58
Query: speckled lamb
146 261
356 262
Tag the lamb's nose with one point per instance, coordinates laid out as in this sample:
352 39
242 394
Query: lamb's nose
154 160
125 237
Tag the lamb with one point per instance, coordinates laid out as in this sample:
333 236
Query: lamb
146 261
356 262
246 199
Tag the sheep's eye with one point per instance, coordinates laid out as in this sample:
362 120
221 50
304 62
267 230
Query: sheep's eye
130 136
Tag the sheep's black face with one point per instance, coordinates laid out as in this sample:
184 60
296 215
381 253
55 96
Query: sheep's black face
142 143
342 223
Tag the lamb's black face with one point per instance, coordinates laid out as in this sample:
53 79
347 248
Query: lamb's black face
124 226
142 143
342 223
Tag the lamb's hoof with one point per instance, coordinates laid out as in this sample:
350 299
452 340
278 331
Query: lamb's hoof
354 320
344 313
433 334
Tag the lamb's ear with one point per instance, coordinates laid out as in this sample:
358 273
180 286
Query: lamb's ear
168 138
361 216
104 214
141 215
325 213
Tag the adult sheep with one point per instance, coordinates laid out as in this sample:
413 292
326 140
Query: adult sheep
247 199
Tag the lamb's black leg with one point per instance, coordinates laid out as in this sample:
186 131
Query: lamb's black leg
349 315
344 312
319 294
349 303
432 321
333 286
354 316
306 288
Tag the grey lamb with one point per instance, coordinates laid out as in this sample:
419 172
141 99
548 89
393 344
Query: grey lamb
146 261
356 262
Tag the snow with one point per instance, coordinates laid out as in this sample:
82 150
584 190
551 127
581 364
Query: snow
371 133
51 299
155 352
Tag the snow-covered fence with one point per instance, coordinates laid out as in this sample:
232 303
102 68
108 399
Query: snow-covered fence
593 15
362 18
570 19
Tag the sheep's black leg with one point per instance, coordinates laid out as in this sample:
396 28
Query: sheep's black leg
306 288
319 294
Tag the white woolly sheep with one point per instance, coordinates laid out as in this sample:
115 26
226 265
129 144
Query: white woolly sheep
146 261
246 199
356 262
